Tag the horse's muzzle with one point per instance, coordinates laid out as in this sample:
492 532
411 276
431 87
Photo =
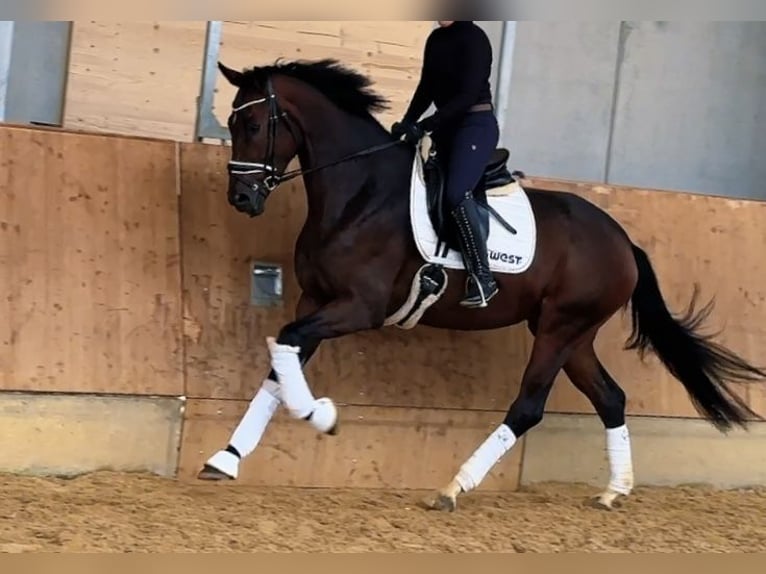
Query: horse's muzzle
247 199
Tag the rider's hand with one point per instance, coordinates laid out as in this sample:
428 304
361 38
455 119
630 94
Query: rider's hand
411 132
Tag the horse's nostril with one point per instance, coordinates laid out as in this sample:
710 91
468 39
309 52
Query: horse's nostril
240 198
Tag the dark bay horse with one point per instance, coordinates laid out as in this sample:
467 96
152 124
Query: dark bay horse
355 262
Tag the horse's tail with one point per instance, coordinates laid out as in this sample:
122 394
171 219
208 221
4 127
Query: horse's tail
702 365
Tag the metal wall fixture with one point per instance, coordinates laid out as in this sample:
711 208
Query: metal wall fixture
6 46
504 76
266 286
207 125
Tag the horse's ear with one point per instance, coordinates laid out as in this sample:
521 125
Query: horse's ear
234 77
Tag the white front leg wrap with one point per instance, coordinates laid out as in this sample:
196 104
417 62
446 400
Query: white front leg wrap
295 391
620 460
250 429
485 457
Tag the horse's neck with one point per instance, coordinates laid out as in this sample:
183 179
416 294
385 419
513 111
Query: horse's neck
331 135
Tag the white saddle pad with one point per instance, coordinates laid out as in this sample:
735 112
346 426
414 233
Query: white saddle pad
508 253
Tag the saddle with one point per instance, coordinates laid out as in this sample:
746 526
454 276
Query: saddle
496 174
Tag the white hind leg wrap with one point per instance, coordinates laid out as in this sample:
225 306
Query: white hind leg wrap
620 460
485 457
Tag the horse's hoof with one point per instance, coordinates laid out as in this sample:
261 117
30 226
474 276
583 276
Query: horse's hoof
597 503
211 473
606 501
335 429
443 503
324 417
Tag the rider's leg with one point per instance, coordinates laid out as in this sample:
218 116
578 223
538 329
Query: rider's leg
471 149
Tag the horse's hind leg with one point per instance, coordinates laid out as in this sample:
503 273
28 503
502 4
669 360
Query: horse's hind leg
557 337
591 378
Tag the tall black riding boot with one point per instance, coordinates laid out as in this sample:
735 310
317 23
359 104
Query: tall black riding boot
481 285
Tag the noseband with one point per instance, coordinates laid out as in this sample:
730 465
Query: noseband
273 178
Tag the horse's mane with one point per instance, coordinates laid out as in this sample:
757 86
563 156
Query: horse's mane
346 88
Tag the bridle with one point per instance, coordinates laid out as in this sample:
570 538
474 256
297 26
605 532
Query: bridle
273 179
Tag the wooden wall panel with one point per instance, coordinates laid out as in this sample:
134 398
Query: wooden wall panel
143 78
435 369
89 252
226 349
90 249
375 448
390 52
135 78
713 241
225 336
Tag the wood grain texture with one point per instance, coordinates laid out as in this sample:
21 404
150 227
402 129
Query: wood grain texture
376 448
135 78
225 336
89 252
435 369
389 52
143 78
713 241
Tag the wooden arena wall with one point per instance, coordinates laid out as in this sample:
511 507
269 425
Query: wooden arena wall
129 341
143 78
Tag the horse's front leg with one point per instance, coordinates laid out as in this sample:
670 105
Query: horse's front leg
225 463
338 318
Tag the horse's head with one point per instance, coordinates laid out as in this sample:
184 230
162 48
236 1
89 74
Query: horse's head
263 143
277 111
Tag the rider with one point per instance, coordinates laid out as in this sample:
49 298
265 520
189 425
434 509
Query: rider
455 78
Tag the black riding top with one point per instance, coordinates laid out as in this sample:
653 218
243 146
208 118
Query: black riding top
457 63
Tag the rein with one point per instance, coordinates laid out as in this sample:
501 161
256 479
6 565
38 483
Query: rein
274 179
367 151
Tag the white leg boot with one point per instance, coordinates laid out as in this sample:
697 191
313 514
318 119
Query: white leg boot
476 468
620 466
297 397
248 433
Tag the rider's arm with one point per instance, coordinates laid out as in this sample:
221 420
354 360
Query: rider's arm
422 98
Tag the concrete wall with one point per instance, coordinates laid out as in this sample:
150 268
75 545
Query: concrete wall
6 43
37 72
561 98
672 105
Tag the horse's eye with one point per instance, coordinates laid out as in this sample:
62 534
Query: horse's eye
252 128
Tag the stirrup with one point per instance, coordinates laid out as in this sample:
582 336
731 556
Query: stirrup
479 300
